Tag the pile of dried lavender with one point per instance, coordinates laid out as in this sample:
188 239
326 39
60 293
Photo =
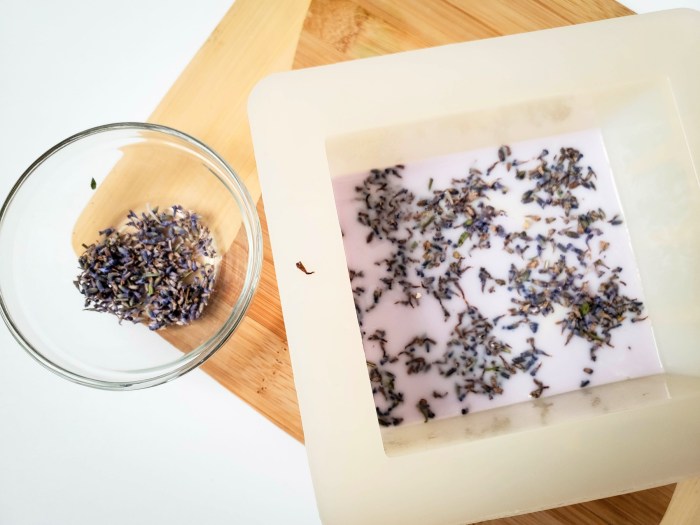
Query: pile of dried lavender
159 269
432 240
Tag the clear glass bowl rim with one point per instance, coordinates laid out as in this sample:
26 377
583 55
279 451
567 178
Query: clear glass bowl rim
193 359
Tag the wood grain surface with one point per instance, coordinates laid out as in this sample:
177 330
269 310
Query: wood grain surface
208 101
685 504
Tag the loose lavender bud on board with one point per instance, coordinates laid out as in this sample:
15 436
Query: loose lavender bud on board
158 269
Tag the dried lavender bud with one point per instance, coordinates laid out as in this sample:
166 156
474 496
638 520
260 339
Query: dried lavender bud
159 269
503 153
384 388
301 267
424 408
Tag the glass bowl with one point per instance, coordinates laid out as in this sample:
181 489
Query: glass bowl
90 182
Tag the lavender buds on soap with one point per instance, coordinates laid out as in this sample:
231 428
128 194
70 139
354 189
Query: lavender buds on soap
158 269
491 278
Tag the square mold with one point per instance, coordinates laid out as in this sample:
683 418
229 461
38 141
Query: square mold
637 80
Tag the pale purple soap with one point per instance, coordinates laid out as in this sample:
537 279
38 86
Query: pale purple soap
480 282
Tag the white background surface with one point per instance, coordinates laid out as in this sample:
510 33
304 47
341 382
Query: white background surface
185 452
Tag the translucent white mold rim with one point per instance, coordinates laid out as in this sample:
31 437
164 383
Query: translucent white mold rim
638 80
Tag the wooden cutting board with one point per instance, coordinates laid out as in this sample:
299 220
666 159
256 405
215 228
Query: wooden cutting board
257 37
